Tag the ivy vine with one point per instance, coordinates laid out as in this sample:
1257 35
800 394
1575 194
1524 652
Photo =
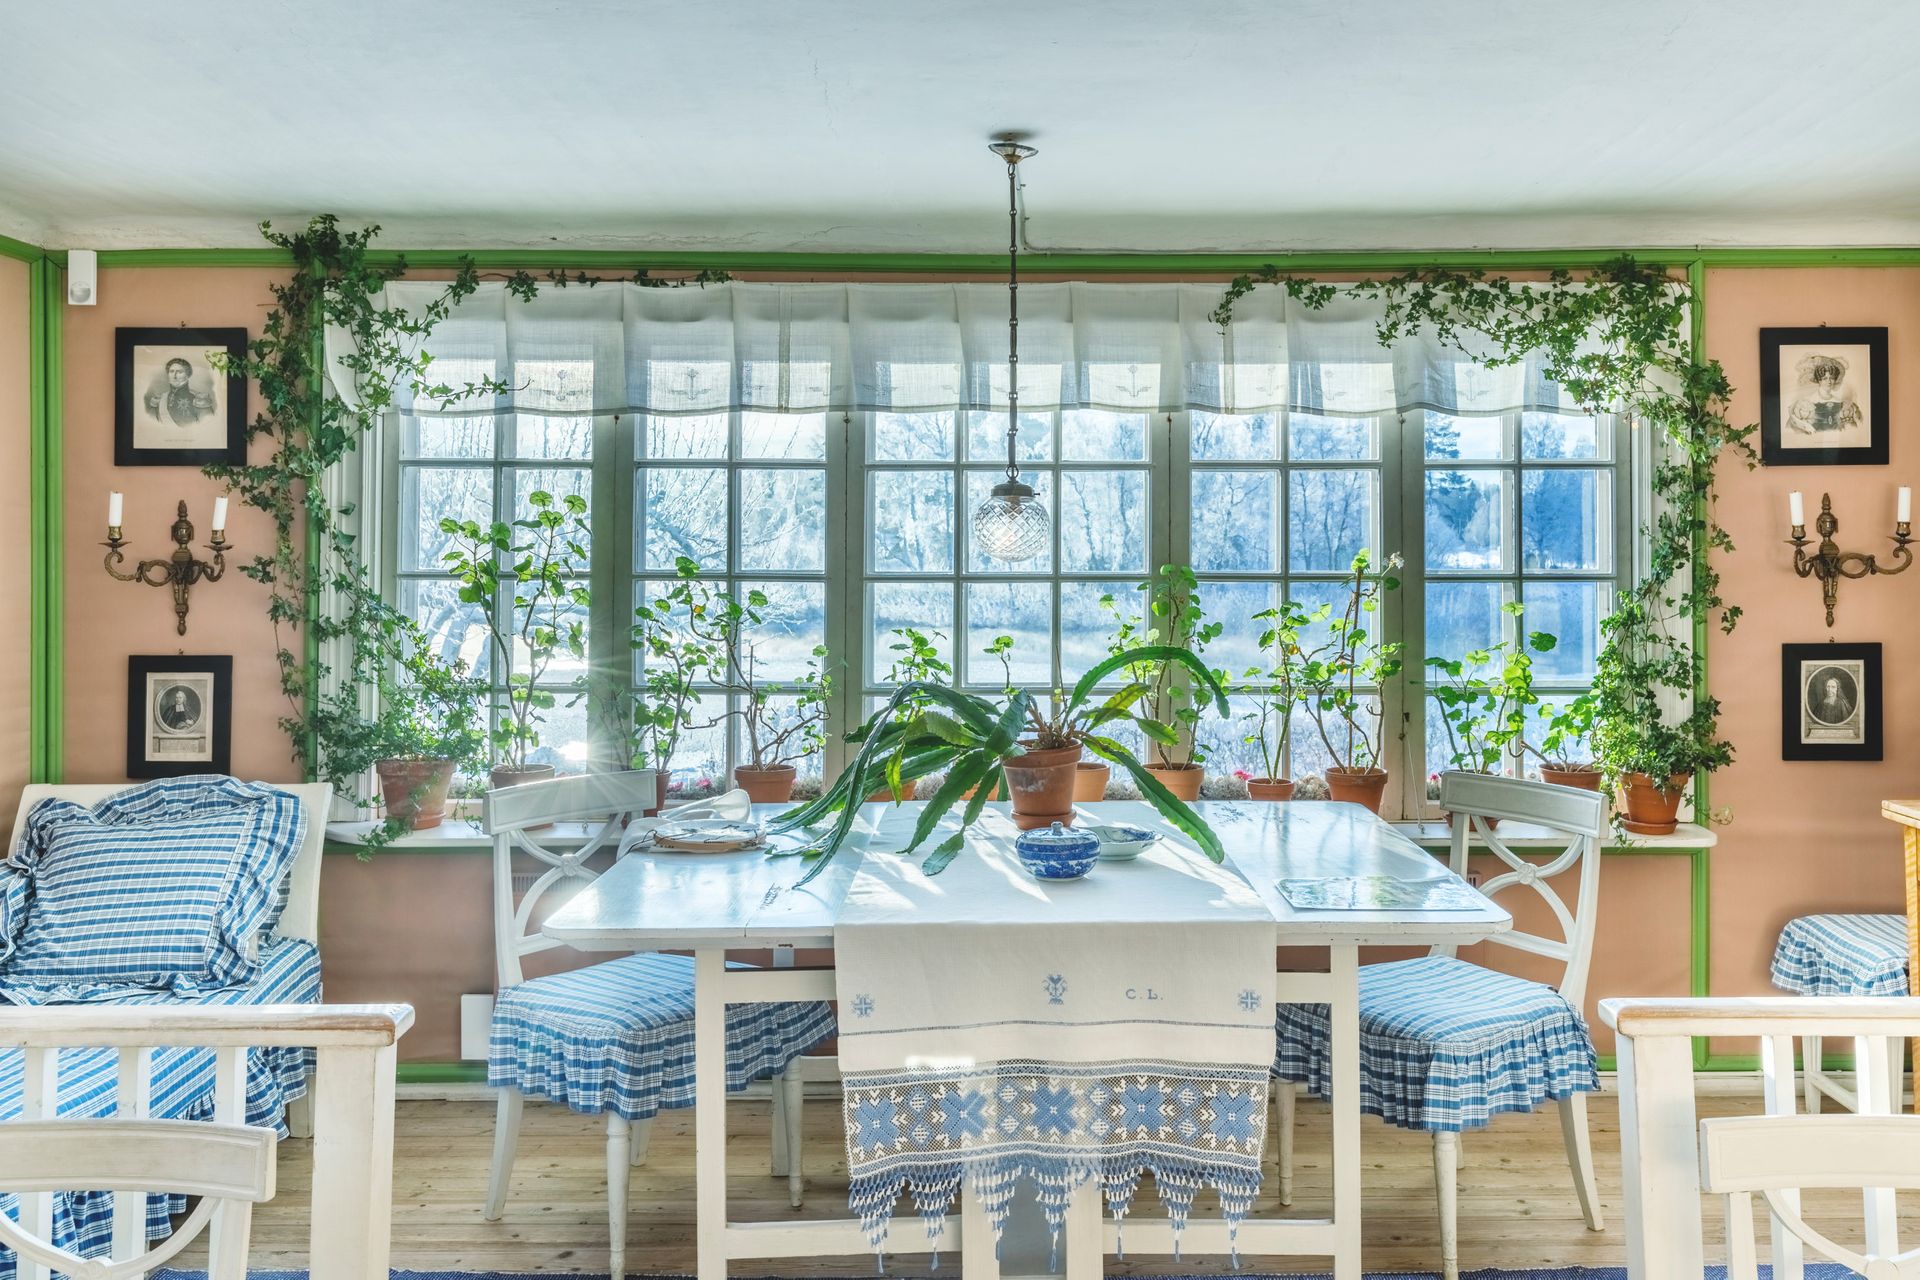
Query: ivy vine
1618 340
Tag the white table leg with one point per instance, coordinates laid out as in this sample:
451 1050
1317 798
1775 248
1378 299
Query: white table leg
1660 1158
710 1114
978 1261
1344 1019
1081 1256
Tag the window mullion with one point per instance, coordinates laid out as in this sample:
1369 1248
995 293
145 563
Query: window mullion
1403 702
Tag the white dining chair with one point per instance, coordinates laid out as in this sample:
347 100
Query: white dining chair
1841 955
1445 1044
615 1037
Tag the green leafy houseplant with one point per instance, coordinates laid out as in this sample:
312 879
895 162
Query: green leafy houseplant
1644 750
1566 731
1275 689
1175 619
1337 674
544 553
1483 698
917 660
927 728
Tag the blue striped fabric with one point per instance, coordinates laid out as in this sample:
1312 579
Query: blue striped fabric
1860 955
182 1090
168 885
1446 1045
618 1036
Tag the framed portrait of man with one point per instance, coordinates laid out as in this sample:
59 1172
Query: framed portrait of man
179 715
1823 396
172 406
1830 696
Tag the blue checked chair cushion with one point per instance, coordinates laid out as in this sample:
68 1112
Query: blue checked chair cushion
618 1036
1842 956
1446 1045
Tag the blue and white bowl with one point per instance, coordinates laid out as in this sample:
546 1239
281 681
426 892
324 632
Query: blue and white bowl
1122 842
1057 853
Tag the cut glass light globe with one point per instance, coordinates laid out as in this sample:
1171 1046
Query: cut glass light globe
1012 523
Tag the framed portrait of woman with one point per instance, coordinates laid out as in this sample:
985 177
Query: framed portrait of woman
1823 397
172 406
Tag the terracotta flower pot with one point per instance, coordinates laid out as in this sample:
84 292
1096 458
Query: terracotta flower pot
1270 788
1090 780
661 778
1587 779
1182 779
1652 811
1041 782
415 791
772 785
503 776
1357 786
1453 818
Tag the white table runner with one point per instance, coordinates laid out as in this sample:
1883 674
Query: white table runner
1131 1033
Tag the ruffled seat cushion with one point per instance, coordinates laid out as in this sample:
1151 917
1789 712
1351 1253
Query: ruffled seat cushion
618 1036
1858 955
1446 1045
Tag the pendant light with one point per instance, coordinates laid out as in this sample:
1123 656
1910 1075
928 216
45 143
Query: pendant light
1012 523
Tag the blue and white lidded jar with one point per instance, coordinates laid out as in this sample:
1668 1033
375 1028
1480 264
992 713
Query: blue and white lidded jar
1057 853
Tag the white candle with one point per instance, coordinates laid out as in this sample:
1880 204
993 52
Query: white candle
1903 506
219 514
114 503
1796 513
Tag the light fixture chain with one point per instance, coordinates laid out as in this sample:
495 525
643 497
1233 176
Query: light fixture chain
1013 317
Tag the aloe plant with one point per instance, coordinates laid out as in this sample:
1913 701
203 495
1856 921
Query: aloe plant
928 728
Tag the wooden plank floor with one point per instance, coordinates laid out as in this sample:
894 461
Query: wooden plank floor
1517 1207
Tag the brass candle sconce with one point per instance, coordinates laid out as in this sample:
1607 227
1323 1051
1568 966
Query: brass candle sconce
180 570
1829 564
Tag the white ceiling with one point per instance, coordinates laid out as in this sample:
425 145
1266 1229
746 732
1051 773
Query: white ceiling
860 124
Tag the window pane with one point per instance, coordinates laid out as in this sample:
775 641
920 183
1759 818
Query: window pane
1577 750
701 435
1308 754
911 521
1096 435
698 765
1235 521
1102 519
1462 617
1022 610
793 622
783 435
683 512
1224 742
1330 518
1232 436
1571 613
1448 436
1311 436
561 614
535 436
1233 604
563 734
927 607
1567 521
561 483
447 437
912 437
1562 435
647 592
1313 597
979 487
429 494
1467 520
1441 746
456 630
780 712
783 519
1086 628
987 437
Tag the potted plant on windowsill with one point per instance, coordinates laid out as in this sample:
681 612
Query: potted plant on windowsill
916 660
1567 730
542 556
1334 681
1483 698
1274 689
1174 620
975 741
1649 757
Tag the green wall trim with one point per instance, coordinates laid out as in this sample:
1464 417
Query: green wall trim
440 1073
11 248
46 530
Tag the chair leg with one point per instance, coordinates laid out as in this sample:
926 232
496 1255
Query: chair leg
780 1165
1896 1072
640 1131
506 1138
793 1086
1446 1184
619 1142
1287 1094
1573 1128
300 1113
1810 1074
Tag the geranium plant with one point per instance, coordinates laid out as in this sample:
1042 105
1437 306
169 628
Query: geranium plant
1340 678
1483 698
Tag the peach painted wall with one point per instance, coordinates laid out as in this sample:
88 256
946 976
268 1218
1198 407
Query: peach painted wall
15 483
107 620
1807 836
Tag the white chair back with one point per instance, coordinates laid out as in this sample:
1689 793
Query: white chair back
301 919
521 819
1580 816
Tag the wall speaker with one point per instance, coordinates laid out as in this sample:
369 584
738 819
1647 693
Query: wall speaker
83 277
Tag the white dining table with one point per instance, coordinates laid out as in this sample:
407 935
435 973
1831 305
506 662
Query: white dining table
711 904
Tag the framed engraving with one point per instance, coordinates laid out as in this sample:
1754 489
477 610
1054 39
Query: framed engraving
1823 397
171 407
1830 702
179 715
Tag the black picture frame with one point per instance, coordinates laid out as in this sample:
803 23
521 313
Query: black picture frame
147 433
200 741
1792 421
1843 731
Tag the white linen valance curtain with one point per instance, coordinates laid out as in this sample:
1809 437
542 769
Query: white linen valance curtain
911 347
